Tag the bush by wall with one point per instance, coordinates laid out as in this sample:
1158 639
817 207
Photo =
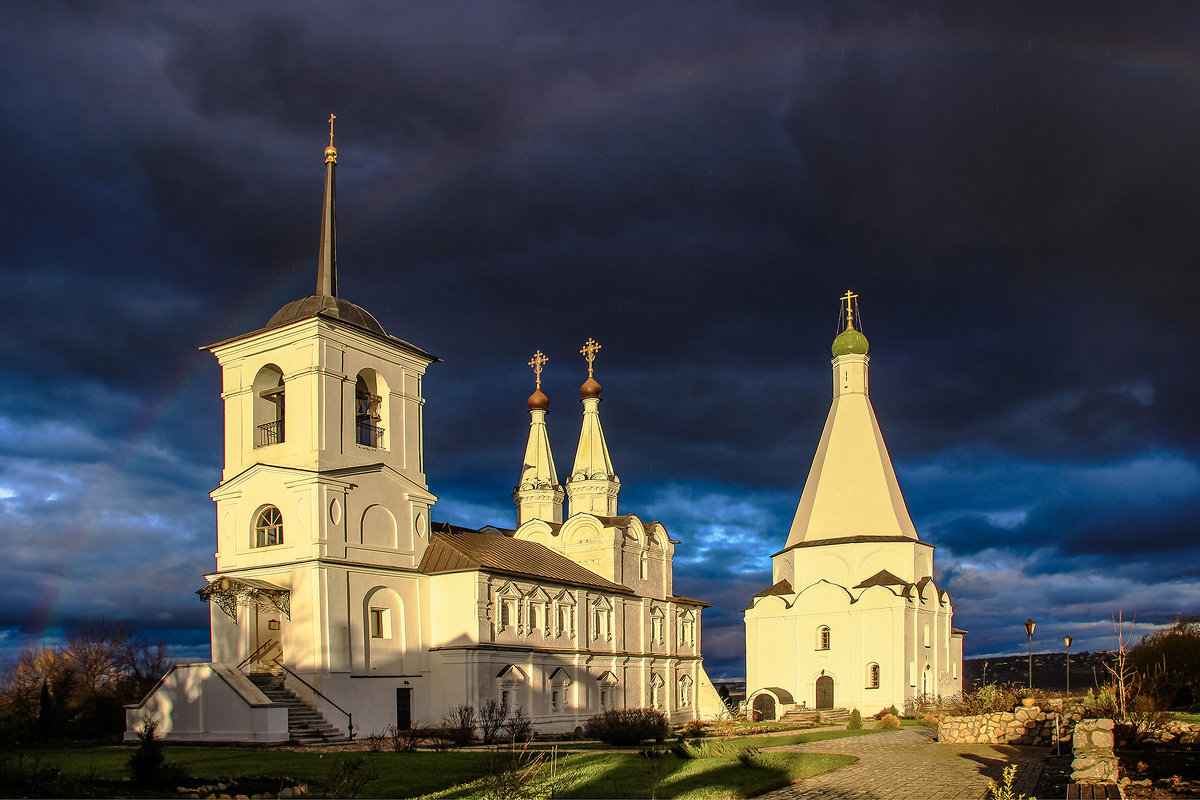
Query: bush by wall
628 726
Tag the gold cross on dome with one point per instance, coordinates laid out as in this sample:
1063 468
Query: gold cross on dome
537 362
849 296
332 117
589 352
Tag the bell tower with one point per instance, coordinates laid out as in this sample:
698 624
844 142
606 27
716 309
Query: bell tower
323 445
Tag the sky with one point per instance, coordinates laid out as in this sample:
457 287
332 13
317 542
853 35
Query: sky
1011 188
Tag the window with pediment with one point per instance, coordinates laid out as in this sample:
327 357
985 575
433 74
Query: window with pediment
656 625
685 691
656 691
602 619
687 629
564 616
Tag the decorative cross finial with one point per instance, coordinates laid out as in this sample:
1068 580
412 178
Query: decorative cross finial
849 296
332 117
539 359
589 352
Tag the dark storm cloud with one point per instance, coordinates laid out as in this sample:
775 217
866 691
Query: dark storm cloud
1011 188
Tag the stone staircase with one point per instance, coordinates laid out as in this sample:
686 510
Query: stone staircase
809 717
305 725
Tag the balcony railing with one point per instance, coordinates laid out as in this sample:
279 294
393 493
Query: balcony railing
370 435
269 433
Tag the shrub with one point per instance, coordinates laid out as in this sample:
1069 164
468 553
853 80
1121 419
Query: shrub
885 712
855 723
460 722
519 725
148 766
628 726
889 721
513 773
930 720
374 741
405 740
694 729
492 716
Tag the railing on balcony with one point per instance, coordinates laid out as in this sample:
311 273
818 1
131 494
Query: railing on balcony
369 434
269 433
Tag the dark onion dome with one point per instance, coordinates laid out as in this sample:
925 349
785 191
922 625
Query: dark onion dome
850 341
326 306
590 388
538 401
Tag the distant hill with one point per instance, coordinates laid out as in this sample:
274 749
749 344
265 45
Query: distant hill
1049 670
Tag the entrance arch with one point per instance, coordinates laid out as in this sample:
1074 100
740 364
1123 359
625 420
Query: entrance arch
764 707
766 702
824 692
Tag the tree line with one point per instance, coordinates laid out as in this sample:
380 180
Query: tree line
78 690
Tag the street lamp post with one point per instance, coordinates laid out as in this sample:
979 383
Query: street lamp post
1029 627
1067 641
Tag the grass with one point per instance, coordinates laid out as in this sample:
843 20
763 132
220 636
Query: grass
628 775
1192 718
717 773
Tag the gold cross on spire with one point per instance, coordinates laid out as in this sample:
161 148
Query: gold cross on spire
539 359
331 151
589 352
849 297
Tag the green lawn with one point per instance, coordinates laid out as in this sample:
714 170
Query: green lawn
717 773
628 775
1192 718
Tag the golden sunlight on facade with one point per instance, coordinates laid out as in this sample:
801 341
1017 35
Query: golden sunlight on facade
337 604
853 618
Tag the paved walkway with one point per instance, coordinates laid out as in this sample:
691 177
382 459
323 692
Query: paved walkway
907 765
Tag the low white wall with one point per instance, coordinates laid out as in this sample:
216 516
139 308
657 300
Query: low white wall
208 703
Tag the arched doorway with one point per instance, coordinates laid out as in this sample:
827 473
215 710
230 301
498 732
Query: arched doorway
824 692
764 707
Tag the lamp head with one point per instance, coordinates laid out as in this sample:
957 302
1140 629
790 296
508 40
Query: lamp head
1029 627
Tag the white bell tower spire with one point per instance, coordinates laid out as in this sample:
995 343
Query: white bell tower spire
538 495
593 486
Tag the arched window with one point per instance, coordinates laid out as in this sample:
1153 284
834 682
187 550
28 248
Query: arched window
268 406
644 570
872 676
268 528
823 637
368 410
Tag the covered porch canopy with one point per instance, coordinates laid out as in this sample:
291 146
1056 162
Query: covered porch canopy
229 593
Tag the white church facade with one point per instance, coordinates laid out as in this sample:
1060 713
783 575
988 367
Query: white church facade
334 587
853 618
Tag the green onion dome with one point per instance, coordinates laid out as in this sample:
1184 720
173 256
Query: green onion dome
850 341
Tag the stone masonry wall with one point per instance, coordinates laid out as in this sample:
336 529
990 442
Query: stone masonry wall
1024 725
1094 759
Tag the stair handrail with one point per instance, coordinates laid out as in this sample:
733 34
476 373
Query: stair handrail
317 692
262 648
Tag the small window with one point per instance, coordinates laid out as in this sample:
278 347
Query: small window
927 634
604 698
268 528
645 565
504 695
508 612
656 626
380 624
872 676
656 685
823 637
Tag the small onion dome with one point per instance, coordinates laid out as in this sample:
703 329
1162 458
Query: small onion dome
589 389
850 341
538 401
330 154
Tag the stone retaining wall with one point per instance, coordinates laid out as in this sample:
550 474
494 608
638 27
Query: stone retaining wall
1024 725
1094 759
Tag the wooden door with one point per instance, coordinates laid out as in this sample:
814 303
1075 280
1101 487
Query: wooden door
404 709
824 692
